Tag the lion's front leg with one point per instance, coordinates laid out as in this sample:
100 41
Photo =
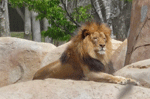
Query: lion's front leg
104 77
123 80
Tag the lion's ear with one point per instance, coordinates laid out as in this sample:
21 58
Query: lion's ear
85 32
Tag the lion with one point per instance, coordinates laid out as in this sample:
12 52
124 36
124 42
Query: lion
85 58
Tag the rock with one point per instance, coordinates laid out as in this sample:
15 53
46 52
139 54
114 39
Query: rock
69 89
20 59
118 57
139 71
139 38
56 53
115 44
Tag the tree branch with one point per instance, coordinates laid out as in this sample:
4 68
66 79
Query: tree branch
2 5
71 19
76 2
20 13
60 26
76 6
92 3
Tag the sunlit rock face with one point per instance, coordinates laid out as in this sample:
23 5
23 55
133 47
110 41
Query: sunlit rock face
20 59
139 38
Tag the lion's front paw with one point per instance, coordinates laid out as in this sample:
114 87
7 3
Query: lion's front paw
123 81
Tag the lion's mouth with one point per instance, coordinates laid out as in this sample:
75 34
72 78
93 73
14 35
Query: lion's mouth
101 52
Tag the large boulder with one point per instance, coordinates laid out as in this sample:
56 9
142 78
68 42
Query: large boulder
20 59
56 53
139 71
139 38
118 57
115 44
69 89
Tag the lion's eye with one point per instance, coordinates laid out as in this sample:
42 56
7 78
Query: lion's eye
104 39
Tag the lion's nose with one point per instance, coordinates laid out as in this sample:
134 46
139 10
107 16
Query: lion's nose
102 45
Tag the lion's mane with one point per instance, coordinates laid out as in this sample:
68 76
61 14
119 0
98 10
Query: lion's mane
78 51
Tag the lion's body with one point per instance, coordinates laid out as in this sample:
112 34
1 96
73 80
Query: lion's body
86 57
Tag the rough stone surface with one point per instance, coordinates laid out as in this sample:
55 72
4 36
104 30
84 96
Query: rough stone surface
20 59
69 89
139 71
56 53
139 38
118 58
115 44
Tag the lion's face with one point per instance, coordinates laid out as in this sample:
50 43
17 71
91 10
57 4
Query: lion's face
99 41
96 37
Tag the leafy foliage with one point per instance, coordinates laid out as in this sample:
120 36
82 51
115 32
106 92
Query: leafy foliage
61 27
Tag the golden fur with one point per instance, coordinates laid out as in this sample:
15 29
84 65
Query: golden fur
87 57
